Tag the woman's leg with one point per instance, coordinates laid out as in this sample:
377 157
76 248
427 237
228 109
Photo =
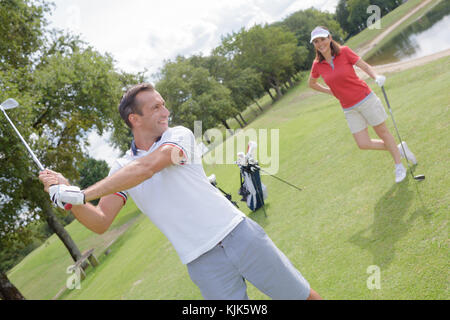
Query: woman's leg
389 142
364 142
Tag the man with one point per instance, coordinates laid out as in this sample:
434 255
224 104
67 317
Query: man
163 173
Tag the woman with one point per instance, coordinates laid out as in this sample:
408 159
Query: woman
334 63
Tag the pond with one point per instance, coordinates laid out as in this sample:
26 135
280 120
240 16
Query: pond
427 35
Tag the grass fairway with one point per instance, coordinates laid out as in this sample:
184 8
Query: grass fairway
350 215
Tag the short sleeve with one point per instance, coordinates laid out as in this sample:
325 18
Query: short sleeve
352 57
183 139
314 72
123 194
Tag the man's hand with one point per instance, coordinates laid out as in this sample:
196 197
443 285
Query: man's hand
65 196
49 177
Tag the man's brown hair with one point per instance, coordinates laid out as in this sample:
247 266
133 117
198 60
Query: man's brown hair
128 103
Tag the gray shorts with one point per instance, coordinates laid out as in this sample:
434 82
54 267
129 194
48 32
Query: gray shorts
370 112
247 253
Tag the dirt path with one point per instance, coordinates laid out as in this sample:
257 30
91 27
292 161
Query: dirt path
402 65
362 51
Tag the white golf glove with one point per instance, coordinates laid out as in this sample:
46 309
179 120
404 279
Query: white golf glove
65 196
380 80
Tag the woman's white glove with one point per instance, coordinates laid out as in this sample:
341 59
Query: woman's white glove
380 80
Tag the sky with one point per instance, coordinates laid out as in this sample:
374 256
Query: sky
142 34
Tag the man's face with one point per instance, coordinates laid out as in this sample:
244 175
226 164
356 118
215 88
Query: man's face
155 116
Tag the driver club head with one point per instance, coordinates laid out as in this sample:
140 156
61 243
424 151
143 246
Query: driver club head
419 177
9 104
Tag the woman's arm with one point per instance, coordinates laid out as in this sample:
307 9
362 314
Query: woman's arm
317 86
367 68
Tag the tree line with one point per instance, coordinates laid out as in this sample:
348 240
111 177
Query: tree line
65 89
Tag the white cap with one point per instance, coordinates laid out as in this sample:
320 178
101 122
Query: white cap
319 32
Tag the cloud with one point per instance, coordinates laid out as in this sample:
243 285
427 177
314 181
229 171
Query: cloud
100 149
142 34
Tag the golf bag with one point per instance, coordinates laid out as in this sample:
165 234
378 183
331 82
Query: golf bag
252 190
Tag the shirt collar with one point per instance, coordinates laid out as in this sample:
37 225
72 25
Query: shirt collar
325 61
135 150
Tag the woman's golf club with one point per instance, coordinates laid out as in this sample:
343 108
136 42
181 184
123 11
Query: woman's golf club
419 177
11 104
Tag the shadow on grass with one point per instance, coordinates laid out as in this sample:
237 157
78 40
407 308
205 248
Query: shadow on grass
389 224
259 216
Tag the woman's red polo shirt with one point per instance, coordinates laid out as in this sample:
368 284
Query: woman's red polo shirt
341 78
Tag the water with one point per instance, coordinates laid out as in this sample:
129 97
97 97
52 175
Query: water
426 36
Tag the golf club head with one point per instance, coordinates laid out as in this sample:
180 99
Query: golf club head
419 177
212 179
9 104
251 148
240 159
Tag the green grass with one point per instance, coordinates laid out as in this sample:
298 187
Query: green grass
42 274
350 215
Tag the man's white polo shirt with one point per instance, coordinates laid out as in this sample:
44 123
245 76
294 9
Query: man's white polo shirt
180 201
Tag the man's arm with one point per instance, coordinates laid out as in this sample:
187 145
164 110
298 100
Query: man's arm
96 218
125 178
99 218
135 172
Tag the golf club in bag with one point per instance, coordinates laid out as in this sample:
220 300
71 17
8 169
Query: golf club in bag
213 181
419 177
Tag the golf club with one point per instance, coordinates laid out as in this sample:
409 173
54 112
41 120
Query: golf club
419 177
11 104
213 181
249 160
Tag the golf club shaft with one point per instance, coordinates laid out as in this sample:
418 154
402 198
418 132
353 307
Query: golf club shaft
396 129
290 184
36 160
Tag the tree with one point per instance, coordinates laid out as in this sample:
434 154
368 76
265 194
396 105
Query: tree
7 290
244 84
342 16
357 15
92 171
301 23
270 51
22 31
65 89
352 14
192 94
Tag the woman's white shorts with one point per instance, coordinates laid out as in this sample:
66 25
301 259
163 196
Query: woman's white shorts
369 112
